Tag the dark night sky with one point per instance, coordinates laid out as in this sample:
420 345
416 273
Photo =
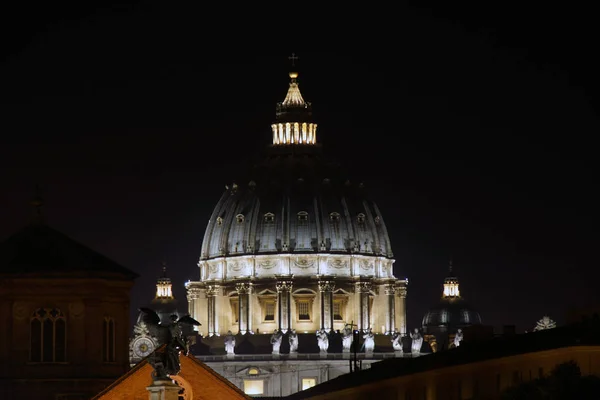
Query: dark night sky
472 128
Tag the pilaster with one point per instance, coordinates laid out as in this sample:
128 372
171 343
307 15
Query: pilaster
363 290
326 287
244 289
284 304
212 291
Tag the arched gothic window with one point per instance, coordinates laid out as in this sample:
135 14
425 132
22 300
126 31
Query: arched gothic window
108 340
48 336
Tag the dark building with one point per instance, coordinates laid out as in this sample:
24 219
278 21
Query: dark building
475 370
64 310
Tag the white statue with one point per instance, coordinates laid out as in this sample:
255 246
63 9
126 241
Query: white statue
397 341
369 342
417 342
229 343
293 338
545 323
276 340
322 340
347 337
458 338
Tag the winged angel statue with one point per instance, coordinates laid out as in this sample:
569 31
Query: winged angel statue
166 363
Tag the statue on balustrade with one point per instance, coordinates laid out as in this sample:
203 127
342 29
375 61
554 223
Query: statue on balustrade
417 342
322 340
369 343
458 338
347 337
293 339
276 340
397 341
230 343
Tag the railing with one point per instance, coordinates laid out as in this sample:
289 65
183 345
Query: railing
301 356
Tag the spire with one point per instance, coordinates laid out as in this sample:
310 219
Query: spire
293 97
450 267
37 202
294 124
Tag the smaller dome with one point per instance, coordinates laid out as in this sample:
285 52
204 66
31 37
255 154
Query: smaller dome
455 314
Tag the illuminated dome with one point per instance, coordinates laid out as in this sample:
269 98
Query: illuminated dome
295 244
295 215
452 312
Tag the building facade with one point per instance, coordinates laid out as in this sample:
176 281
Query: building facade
65 317
295 248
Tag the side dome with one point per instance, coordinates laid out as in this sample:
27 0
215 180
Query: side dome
295 215
452 312
451 315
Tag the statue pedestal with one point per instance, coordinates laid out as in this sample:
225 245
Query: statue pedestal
398 353
275 356
346 354
163 390
293 355
230 356
323 354
369 354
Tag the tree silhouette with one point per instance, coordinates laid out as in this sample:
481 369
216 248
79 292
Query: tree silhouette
564 382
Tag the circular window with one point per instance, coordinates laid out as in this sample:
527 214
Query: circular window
185 393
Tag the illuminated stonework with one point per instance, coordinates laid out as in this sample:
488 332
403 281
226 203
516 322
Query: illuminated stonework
307 293
294 133
294 125
297 247
164 287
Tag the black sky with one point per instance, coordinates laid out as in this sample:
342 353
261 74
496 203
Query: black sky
473 128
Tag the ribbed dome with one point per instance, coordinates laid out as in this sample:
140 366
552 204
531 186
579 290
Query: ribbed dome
452 314
288 211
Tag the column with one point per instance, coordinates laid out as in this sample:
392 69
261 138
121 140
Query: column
284 304
326 287
163 390
390 303
212 291
244 290
363 289
401 292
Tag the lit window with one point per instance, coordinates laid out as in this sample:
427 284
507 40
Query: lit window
219 221
48 336
269 217
360 218
239 218
235 310
302 216
108 340
377 220
254 387
304 310
270 311
337 310
334 217
307 383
